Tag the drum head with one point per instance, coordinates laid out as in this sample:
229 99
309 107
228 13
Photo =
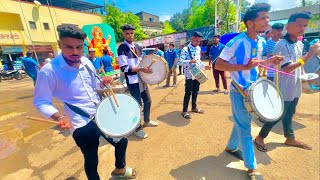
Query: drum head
267 103
160 69
118 121
312 65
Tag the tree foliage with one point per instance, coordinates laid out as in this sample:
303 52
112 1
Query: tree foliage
179 20
115 18
167 28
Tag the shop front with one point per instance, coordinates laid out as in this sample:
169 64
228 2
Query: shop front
42 52
11 57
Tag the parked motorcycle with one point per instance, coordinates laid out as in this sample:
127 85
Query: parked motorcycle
10 74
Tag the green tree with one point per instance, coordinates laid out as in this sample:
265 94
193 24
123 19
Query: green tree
167 28
244 6
179 20
204 15
115 18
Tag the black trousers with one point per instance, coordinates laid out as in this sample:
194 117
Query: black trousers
87 138
191 89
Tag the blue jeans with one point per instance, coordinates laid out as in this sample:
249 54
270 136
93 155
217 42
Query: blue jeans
241 132
288 112
145 96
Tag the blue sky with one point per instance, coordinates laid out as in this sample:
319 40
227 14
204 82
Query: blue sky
166 8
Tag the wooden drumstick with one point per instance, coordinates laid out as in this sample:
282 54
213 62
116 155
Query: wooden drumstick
113 95
42 120
153 61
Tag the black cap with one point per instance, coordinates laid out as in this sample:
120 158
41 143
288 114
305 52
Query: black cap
216 36
197 34
127 27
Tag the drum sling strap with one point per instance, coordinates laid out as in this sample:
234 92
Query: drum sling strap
75 108
239 89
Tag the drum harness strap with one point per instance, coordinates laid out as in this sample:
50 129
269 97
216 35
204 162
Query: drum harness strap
239 89
78 110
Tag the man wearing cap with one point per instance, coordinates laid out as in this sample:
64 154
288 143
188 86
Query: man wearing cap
190 55
276 34
215 51
129 55
95 61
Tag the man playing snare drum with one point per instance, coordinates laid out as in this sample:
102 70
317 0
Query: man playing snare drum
240 58
290 87
129 55
191 55
67 78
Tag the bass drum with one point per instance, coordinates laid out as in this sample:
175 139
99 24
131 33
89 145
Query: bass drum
159 67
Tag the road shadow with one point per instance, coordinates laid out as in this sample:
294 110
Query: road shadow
210 167
174 118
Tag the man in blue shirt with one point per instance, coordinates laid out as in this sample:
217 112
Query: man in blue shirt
171 57
97 63
31 67
179 54
158 52
214 53
106 61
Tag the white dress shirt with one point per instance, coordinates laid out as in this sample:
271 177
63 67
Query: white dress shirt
68 84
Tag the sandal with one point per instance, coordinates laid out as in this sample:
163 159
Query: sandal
186 115
200 111
255 176
259 146
129 174
216 90
236 153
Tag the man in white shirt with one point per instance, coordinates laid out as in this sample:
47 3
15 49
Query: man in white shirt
68 79
191 55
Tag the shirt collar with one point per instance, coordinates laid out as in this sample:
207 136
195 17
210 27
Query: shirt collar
130 45
191 47
287 37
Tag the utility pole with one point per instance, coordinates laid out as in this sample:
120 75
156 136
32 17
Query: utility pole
216 16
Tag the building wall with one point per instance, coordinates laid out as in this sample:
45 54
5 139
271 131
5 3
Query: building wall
15 17
146 17
285 14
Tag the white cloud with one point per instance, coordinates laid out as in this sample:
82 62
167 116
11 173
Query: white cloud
279 5
165 17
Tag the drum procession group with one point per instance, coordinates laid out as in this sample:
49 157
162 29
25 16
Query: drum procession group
72 79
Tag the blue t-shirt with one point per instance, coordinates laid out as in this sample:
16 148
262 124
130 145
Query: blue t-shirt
215 52
107 63
159 53
30 65
170 56
239 51
96 63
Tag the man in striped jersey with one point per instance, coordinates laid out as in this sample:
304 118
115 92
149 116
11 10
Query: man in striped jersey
276 32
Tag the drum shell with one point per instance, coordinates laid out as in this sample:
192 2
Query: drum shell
249 103
198 74
150 78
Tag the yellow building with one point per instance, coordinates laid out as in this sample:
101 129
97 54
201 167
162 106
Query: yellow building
31 26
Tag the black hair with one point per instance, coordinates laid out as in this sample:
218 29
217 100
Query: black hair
278 26
127 27
71 31
29 54
302 15
253 12
105 51
171 44
216 36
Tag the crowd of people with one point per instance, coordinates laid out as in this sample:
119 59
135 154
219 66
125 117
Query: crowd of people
67 78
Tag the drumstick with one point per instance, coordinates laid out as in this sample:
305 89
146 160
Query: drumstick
113 95
153 61
277 77
42 120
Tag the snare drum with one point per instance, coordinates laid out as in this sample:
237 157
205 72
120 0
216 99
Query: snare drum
118 122
263 101
198 73
160 69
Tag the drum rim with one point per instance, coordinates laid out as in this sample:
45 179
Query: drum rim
166 68
123 134
253 106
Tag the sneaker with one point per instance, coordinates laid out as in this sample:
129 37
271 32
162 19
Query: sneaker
141 134
174 85
151 124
